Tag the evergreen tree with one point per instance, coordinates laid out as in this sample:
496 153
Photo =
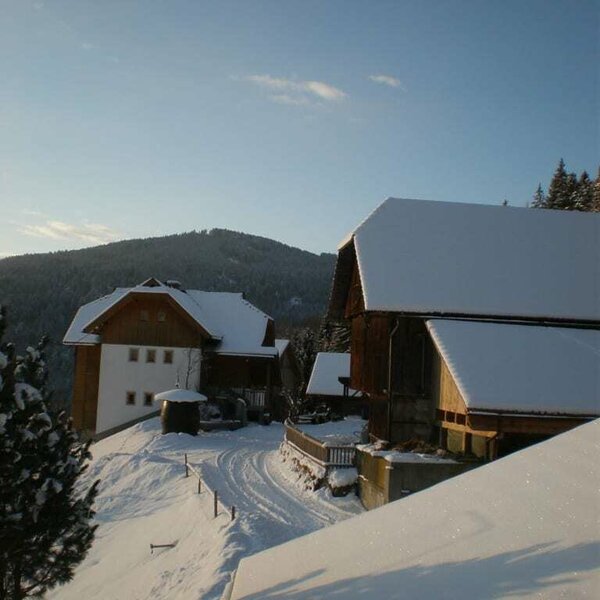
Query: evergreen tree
44 523
334 336
584 193
566 192
571 190
557 191
539 198
595 204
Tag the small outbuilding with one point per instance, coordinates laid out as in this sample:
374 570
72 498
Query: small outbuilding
180 412
328 384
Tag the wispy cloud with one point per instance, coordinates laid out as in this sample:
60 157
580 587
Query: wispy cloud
295 92
288 99
387 80
58 230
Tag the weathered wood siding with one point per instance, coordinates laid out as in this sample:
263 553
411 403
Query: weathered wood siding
127 326
84 405
369 354
378 417
355 303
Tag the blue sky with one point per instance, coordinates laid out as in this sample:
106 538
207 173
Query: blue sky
291 120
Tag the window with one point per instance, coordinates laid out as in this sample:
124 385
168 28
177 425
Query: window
144 315
134 354
168 357
150 356
148 398
130 398
161 316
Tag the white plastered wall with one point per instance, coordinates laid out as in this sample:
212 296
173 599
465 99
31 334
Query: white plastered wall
118 376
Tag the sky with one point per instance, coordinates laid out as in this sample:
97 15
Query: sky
291 120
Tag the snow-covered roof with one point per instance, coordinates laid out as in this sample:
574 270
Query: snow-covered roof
446 257
180 395
523 526
238 326
522 368
242 326
281 346
86 314
328 367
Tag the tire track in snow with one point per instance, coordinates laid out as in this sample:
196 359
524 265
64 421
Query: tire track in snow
271 509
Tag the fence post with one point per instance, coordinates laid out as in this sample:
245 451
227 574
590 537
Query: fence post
216 500
187 470
232 513
199 485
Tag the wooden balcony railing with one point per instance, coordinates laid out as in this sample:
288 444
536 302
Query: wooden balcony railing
326 456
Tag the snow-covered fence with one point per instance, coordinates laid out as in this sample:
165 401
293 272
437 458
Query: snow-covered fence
326 455
196 471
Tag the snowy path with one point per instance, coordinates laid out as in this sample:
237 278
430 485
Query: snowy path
272 507
145 498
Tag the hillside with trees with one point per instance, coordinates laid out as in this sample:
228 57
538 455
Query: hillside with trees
43 291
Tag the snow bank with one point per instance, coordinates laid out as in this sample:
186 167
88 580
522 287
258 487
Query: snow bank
340 478
309 473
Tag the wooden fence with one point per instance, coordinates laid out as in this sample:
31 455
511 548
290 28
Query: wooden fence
327 456
202 487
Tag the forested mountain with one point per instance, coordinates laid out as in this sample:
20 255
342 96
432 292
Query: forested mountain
43 291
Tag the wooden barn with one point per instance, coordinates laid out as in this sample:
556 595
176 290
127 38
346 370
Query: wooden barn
142 340
474 326
328 385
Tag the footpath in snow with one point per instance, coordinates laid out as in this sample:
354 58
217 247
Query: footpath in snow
146 499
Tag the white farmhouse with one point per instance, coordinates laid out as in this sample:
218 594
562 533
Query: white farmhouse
136 342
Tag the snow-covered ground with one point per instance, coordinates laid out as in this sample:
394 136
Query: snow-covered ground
146 499
333 433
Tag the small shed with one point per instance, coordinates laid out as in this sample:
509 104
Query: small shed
180 411
328 384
